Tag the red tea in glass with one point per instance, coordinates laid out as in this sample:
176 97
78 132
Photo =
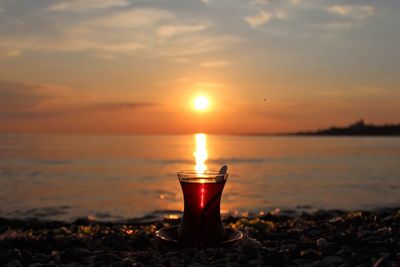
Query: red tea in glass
202 193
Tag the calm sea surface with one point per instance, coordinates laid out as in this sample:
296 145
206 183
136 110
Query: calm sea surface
115 177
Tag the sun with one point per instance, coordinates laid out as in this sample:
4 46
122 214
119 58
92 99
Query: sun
201 103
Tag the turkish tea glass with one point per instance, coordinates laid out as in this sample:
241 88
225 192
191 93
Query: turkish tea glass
202 193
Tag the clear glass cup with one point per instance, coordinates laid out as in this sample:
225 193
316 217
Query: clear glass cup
202 193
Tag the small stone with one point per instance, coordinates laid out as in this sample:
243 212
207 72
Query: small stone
273 257
127 262
140 241
14 263
382 262
310 254
385 231
255 263
26 256
109 258
334 260
303 262
114 240
73 254
318 264
353 257
250 246
41 258
49 264
195 264
345 251
321 243
15 254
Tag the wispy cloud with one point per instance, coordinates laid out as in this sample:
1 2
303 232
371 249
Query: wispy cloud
167 31
215 64
176 80
120 105
358 12
16 96
307 15
73 110
86 5
19 100
258 19
336 25
260 2
150 32
135 18
9 53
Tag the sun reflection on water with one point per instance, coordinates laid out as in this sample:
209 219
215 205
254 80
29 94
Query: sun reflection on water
200 154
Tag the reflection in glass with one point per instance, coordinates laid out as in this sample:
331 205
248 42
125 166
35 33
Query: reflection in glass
200 154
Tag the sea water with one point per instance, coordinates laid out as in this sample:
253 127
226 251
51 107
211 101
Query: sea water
123 176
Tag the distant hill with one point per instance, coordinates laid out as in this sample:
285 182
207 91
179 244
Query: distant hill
358 128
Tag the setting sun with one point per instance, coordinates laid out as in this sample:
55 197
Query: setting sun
201 103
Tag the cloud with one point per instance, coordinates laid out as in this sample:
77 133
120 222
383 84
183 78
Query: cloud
260 2
208 85
167 31
9 53
144 32
86 5
336 25
77 110
18 96
176 80
259 19
110 106
130 19
357 12
19 100
215 64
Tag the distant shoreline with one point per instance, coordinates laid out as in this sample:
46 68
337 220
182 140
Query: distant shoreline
357 129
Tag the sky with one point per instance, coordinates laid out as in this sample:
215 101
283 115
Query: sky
131 66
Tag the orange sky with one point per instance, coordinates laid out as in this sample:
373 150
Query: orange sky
124 66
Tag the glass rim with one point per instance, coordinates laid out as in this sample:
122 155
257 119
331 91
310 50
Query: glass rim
205 174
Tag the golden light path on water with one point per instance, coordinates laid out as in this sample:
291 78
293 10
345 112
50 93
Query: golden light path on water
200 154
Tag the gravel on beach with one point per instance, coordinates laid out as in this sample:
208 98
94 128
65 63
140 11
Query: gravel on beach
321 238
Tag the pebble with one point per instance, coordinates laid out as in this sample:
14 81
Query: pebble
321 243
196 264
114 240
255 263
127 262
310 254
49 264
383 262
14 263
336 260
356 239
250 246
73 254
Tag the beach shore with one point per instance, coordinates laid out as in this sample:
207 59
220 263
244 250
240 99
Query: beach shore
321 238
